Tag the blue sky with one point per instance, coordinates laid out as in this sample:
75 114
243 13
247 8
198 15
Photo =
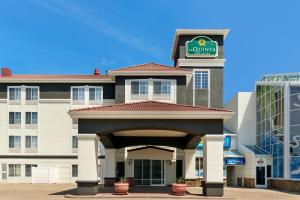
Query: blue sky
72 36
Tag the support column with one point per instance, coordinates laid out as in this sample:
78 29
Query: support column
87 182
213 180
110 167
189 167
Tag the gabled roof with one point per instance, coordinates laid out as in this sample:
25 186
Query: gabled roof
149 69
154 109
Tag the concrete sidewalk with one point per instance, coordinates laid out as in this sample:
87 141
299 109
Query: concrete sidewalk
61 191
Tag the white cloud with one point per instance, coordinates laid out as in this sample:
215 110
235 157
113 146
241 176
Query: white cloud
296 171
75 13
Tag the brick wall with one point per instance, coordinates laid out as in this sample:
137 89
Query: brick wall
284 185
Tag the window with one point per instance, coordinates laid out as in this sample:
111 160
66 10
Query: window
15 94
162 87
95 94
31 117
31 94
14 142
28 170
14 170
201 79
199 166
31 142
74 170
78 94
74 142
14 117
139 87
269 171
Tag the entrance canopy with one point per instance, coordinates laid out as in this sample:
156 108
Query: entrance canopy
150 123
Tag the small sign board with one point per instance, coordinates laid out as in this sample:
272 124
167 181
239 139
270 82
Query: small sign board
201 46
234 161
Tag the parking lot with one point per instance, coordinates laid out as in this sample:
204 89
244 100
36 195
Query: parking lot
59 191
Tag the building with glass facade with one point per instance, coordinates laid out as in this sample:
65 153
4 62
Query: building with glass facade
267 125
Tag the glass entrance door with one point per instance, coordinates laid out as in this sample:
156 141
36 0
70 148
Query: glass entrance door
157 172
149 172
260 176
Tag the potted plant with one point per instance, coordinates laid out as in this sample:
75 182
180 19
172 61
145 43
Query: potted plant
121 187
179 188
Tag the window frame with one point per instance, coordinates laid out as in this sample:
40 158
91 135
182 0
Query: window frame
31 142
78 88
31 93
74 170
16 172
201 86
30 169
198 165
31 120
14 146
14 118
74 142
162 87
100 93
146 81
8 93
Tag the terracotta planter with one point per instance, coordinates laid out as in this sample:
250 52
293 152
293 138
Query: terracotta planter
179 189
121 188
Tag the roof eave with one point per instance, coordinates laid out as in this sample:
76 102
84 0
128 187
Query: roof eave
224 115
143 73
22 80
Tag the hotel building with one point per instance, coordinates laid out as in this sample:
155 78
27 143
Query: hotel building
144 122
151 123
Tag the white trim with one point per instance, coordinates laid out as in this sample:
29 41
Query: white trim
209 137
200 62
86 100
196 32
171 98
151 115
87 136
54 101
208 85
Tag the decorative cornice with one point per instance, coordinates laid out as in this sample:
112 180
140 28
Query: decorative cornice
200 63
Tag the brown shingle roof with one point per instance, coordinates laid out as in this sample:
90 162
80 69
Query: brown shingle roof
148 106
148 67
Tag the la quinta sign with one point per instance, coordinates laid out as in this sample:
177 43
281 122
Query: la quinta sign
201 46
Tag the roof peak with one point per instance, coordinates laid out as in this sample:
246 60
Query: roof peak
150 106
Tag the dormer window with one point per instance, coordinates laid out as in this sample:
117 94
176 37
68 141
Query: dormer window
162 87
139 87
150 90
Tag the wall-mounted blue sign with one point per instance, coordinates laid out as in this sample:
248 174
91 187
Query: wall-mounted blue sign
227 143
234 161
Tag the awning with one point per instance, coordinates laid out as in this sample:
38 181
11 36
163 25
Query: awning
233 153
257 150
